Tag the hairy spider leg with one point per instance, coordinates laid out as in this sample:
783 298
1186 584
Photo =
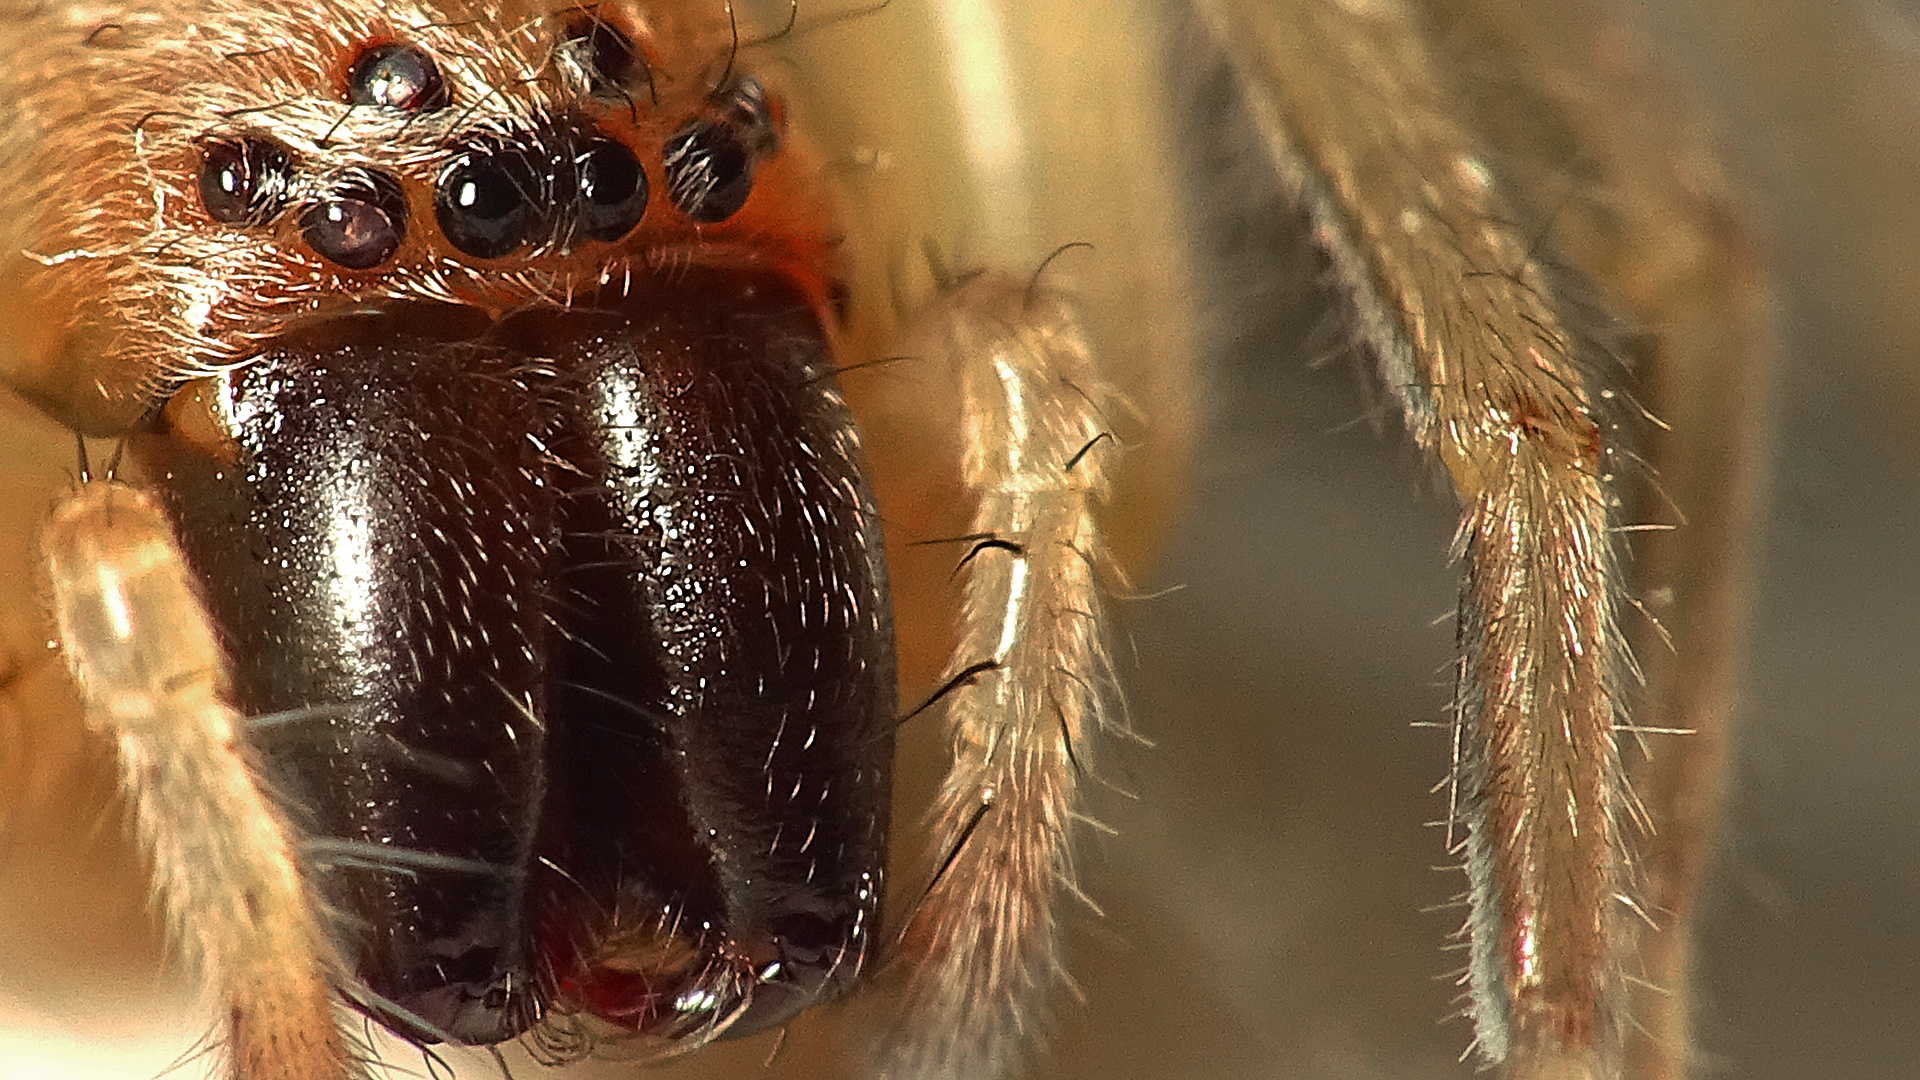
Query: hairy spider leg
226 862
1029 687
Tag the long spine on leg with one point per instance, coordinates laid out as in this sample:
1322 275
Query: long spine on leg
225 870
1472 343
1028 685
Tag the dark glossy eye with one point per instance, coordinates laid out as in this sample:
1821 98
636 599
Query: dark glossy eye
709 171
710 161
360 225
489 200
744 107
613 190
605 54
243 181
398 77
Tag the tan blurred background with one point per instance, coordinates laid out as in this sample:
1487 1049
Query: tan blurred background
1266 898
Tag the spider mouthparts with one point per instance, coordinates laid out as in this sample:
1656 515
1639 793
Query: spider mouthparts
586 613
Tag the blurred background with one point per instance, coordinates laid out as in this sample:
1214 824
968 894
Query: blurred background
1269 896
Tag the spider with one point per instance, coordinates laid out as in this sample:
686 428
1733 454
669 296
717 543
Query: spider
1581 228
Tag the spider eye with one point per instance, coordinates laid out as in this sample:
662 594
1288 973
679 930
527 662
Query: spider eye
613 190
710 161
487 201
606 55
243 181
398 77
361 224
709 171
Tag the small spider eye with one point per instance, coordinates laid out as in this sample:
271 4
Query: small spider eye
613 190
487 201
243 181
398 77
710 161
361 224
709 171
603 53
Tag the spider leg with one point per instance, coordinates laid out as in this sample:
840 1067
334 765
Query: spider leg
1027 688
1657 225
1475 344
225 870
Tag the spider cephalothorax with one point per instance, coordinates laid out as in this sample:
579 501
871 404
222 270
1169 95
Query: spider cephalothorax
525 500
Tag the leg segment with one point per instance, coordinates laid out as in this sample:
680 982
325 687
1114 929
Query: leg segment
1027 689
225 869
1474 342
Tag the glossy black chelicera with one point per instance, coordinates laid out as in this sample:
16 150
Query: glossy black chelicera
569 644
